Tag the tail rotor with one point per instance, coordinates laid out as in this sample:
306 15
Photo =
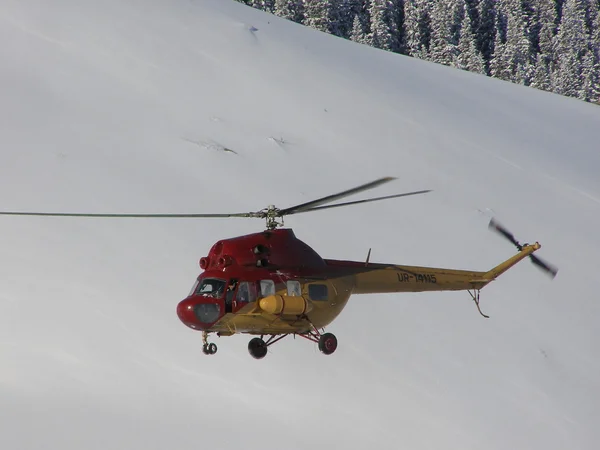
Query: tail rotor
541 264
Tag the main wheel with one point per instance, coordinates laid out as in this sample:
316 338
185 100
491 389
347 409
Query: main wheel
257 348
205 349
327 343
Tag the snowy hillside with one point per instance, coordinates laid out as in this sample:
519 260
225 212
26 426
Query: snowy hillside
211 106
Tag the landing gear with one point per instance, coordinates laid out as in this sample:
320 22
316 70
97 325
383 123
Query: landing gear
257 348
327 343
208 349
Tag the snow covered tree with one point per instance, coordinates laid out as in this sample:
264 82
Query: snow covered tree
595 32
323 15
399 19
468 58
541 75
384 29
442 48
417 28
512 60
264 5
290 10
358 34
486 32
499 64
590 79
571 45
349 9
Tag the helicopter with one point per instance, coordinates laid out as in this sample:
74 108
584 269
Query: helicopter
272 285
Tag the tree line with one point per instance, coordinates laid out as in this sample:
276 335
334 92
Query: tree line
553 45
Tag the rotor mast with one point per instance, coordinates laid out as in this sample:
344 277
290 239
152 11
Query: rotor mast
273 217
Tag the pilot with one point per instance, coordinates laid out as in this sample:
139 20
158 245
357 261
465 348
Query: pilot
229 296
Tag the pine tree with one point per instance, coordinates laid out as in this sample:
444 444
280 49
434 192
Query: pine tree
417 28
512 60
501 22
399 19
323 15
349 9
442 48
499 62
486 33
358 34
469 58
384 29
590 83
591 62
264 5
571 46
290 10
594 42
541 75
472 9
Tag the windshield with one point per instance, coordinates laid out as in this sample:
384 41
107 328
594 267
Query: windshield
193 290
211 287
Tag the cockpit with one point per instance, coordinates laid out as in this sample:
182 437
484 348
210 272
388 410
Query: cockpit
210 287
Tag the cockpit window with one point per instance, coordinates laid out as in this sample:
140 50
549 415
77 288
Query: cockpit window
211 287
267 287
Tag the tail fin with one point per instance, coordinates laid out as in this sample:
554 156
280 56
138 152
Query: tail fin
503 267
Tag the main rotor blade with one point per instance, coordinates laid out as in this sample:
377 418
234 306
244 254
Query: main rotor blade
361 201
334 197
156 216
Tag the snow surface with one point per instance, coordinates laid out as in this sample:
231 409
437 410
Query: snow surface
128 106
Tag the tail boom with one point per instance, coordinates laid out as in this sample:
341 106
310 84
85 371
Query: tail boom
371 278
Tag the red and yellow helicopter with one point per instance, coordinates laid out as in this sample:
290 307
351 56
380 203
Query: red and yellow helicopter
272 285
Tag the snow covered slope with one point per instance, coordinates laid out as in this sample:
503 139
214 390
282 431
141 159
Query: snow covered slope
130 105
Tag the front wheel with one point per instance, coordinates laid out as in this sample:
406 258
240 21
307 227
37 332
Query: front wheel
327 343
257 348
209 349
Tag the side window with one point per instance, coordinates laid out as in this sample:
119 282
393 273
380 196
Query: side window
246 292
317 292
267 287
293 288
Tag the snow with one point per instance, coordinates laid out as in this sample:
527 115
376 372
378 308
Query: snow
127 106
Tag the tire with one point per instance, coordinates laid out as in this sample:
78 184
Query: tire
327 343
212 348
257 348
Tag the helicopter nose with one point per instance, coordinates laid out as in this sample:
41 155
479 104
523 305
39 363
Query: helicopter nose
199 313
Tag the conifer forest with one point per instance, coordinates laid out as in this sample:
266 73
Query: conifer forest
553 45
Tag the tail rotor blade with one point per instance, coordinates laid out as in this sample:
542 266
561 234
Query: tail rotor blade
494 225
548 268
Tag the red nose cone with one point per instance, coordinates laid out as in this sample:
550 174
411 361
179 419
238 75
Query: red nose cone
199 313
185 312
